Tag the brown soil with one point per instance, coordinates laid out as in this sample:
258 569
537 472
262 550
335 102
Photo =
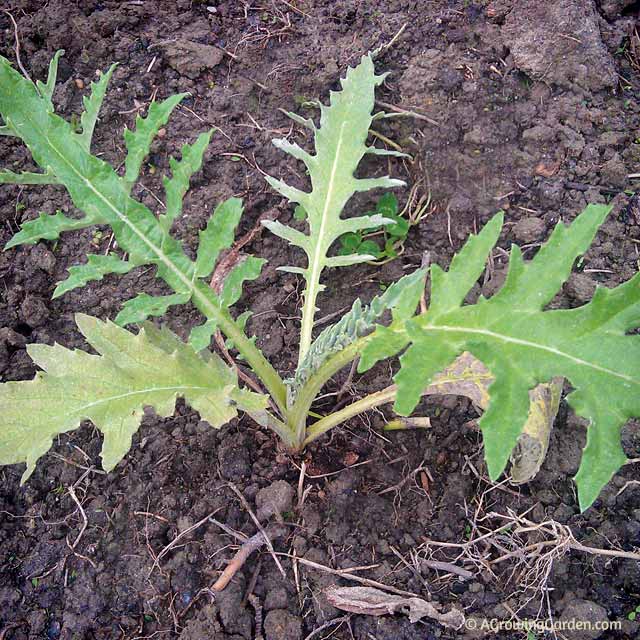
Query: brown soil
537 113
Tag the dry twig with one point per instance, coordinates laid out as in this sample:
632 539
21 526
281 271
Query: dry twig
17 45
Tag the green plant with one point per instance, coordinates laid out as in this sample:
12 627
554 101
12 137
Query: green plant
393 235
389 237
520 344
632 615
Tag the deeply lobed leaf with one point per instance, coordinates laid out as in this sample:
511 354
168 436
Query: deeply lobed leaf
92 104
177 186
104 197
340 144
523 345
218 235
139 140
46 227
143 306
111 389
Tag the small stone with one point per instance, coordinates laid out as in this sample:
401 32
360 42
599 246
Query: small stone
233 458
563 513
281 625
529 230
53 632
274 500
162 132
614 173
34 311
79 82
580 287
42 258
587 612
550 192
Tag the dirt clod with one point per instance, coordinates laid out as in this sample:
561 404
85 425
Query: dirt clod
191 58
614 172
34 311
281 625
586 612
274 500
559 41
580 287
529 230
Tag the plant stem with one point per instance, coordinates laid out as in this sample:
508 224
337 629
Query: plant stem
203 298
300 410
333 420
280 428
308 314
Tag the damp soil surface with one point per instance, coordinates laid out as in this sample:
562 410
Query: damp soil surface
527 107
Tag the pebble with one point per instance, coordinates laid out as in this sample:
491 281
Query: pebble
580 287
34 311
614 172
281 625
584 611
529 230
54 629
275 499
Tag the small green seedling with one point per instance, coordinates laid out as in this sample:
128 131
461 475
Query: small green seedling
495 351
392 234
632 615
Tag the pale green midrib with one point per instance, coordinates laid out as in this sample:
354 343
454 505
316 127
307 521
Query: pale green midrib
533 345
157 250
149 390
316 264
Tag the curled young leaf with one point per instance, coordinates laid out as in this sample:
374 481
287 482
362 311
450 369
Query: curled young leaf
401 298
